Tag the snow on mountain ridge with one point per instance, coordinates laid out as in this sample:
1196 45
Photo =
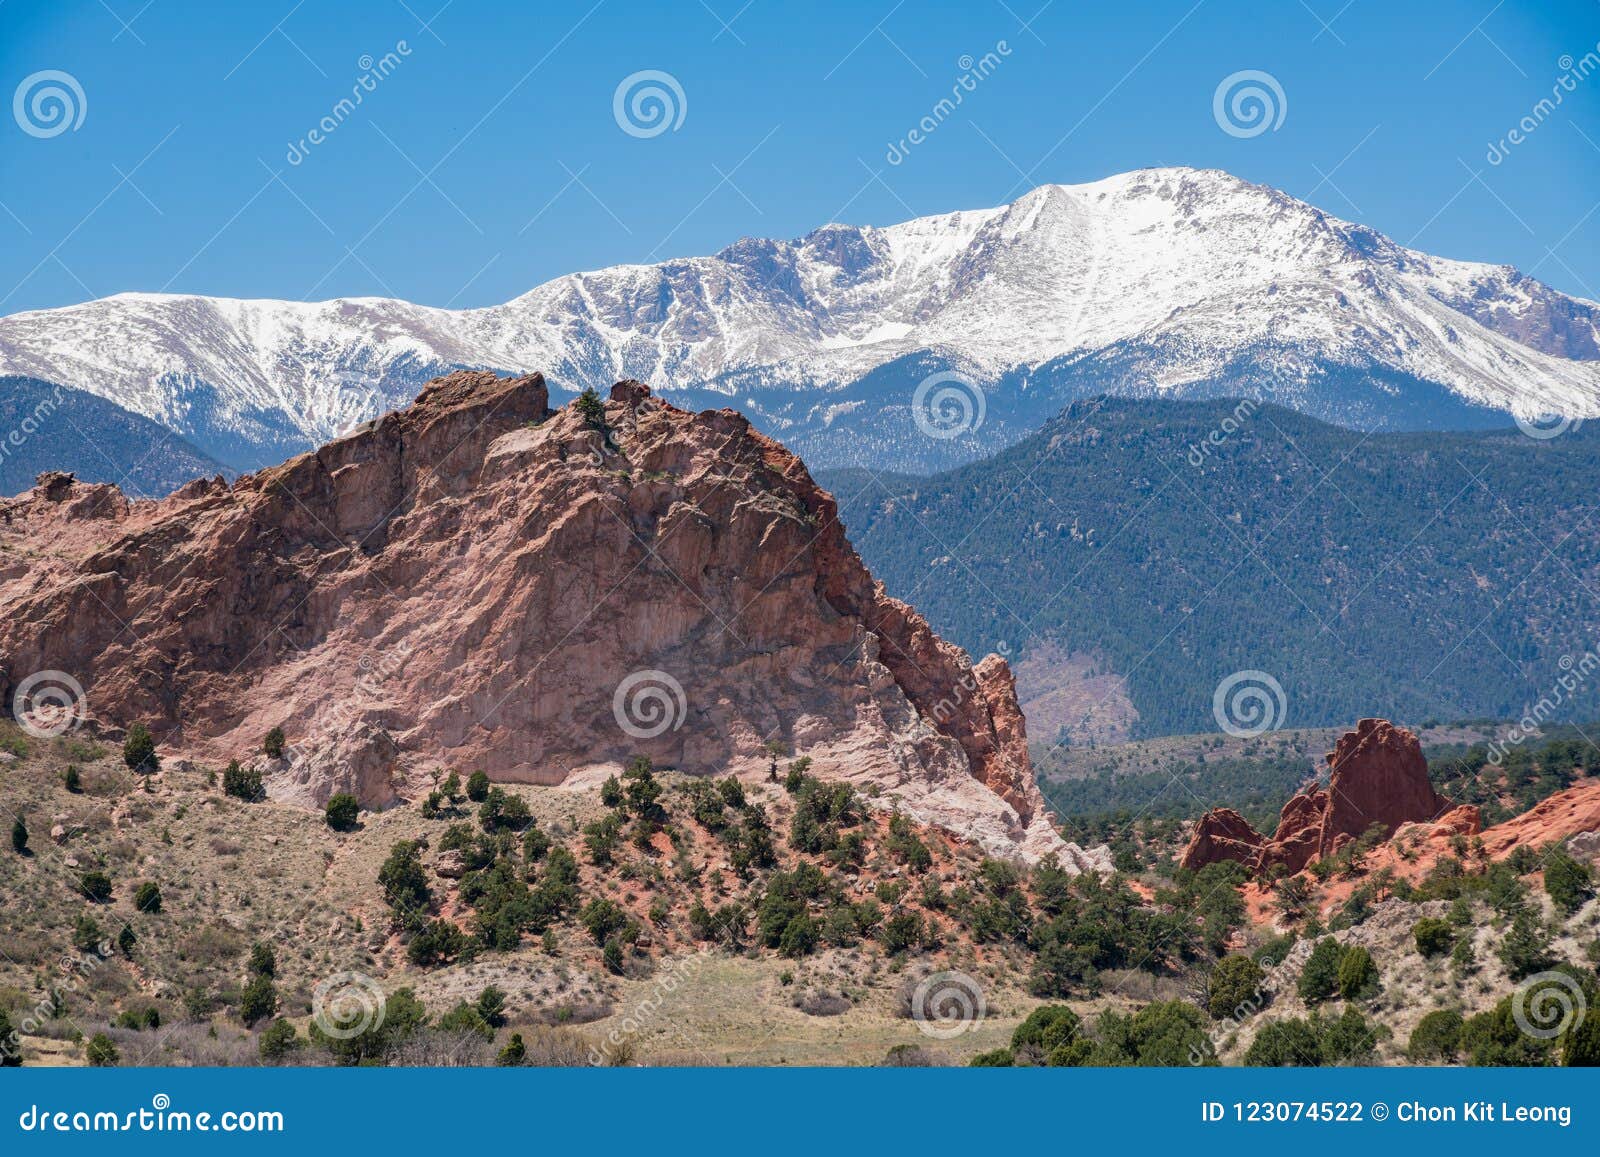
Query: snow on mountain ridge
1176 270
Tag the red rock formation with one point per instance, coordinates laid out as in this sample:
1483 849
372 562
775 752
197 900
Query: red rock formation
1378 776
477 582
1222 834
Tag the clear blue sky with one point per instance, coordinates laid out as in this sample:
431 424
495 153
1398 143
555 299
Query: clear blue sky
177 177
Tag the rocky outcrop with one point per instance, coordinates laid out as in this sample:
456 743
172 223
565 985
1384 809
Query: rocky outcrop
1378 776
478 582
1223 834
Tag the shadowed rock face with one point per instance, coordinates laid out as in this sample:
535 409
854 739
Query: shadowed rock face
1378 776
476 581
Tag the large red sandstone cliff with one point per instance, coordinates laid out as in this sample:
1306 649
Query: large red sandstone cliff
476 581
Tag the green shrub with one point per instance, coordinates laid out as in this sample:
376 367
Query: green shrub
1234 985
100 1052
342 812
478 787
263 959
1437 1037
242 782
148 897
273 744
139 750
1526 947
259 1000
277 1041
1569 882
10 1044
1434 937
1292 1043
95 885
19 836
1319 979
1358 975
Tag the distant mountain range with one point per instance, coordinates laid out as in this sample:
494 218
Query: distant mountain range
48 427
1160 283
1132 555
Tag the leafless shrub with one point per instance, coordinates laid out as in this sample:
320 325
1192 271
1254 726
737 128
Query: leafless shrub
435 1048
211 944
913 1057
184 1045
554 1047
573 1012
821 1002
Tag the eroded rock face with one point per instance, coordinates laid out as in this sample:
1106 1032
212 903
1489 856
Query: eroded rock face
1378 776
475 581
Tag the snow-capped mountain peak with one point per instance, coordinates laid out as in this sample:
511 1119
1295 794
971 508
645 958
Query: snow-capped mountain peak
1167 281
